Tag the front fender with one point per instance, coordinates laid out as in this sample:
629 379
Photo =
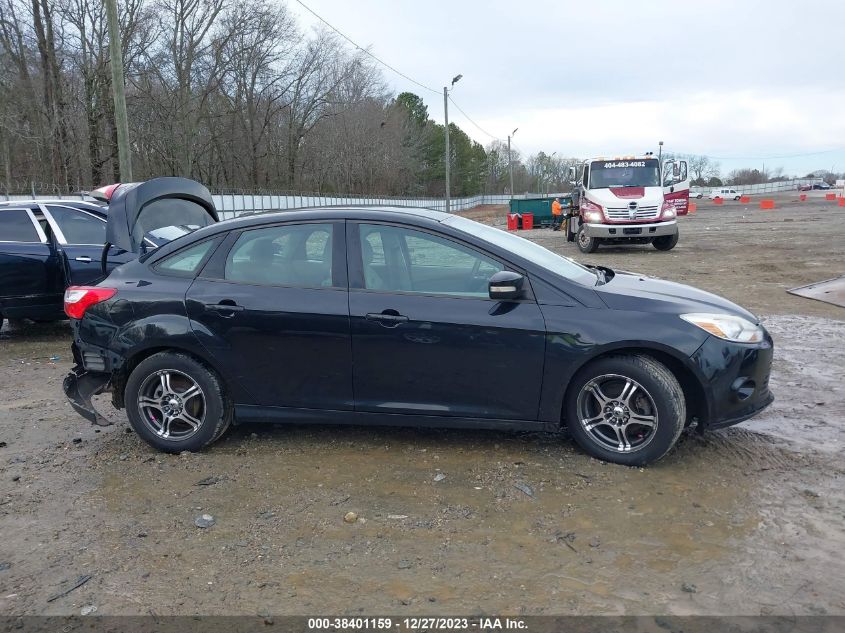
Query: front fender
575 336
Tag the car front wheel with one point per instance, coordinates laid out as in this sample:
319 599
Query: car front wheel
175 403
625 409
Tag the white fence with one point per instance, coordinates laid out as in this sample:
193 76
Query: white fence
766 187
230 205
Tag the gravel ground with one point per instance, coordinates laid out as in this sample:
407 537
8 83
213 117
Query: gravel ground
743 521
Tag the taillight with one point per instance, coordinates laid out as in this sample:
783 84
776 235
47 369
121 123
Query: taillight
667 211
79 298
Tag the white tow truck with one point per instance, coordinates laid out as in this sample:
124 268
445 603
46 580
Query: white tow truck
624 200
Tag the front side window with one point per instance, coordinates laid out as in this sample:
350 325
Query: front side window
297 255
187 261
398 259
78 227
17 226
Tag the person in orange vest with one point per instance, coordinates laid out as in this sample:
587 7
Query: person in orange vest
557 214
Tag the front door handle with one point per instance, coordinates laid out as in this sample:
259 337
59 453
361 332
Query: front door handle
226 308
84 258
387 318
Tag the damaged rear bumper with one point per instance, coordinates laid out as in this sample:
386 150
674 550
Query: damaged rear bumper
80 386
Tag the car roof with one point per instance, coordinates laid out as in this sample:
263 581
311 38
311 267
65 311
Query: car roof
78 204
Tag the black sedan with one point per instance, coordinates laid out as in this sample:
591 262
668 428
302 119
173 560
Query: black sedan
397 316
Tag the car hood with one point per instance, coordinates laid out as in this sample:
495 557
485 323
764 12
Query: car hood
639 293
137 210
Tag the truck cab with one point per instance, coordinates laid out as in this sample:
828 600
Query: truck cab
627 200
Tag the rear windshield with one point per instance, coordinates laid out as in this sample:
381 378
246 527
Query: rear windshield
525 249
170 212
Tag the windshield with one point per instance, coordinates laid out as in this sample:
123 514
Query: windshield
624 173
526 249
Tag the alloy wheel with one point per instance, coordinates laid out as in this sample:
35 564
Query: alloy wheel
617 413
172 404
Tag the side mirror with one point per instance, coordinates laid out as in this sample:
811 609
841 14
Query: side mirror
573 175
505 285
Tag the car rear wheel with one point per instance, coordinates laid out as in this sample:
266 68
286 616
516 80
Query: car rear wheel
586 244
625 409
665 242
175 403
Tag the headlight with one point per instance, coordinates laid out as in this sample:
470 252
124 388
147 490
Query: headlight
726 326
592 216
668 211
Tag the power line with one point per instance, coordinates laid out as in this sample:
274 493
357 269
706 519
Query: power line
825 151
365 51
493 136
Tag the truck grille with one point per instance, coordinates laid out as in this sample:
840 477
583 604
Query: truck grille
622 213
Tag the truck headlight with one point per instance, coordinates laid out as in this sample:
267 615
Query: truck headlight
592 216
727 327
667 211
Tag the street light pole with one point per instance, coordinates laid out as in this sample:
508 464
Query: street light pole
448 157
510 160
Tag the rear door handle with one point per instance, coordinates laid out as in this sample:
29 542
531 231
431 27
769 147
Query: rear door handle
391 320
83 258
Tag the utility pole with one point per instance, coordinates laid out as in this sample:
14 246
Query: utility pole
510 160
121 121
448 157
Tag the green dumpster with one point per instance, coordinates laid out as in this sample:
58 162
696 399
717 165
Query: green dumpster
540 207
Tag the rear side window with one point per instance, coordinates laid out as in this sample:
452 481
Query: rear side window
17 226
187 261
78 227
293 255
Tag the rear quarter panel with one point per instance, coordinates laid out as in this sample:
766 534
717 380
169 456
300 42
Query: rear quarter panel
145 316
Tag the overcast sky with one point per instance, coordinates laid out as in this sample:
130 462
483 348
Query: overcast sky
741 81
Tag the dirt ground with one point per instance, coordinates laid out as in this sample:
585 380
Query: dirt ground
748 520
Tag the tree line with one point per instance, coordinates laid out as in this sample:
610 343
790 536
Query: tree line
232 93
236 94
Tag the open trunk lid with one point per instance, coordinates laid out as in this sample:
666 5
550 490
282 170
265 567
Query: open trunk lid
143 209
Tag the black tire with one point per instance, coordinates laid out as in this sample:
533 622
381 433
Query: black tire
736 198
216 408
665 242
586 244
657 393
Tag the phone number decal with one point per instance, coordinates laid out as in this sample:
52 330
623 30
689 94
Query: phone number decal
625 163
